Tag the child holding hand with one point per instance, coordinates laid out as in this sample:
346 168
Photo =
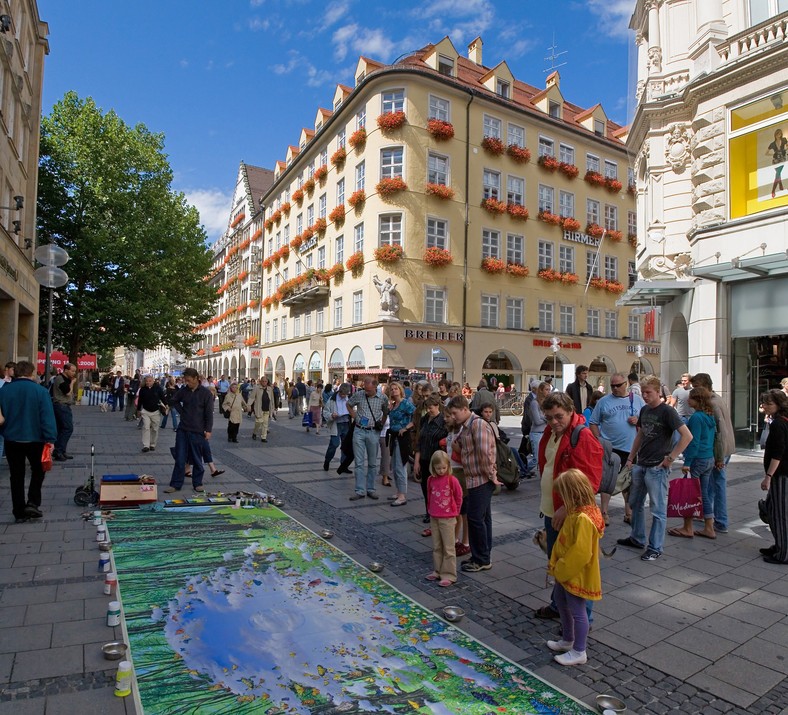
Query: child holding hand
444 498
575 565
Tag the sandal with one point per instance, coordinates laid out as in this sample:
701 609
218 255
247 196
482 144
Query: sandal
427 532
627 519
386 482
217 472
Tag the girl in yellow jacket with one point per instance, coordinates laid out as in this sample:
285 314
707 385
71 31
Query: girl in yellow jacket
575 565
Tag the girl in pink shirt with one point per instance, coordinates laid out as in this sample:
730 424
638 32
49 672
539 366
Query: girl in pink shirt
444 498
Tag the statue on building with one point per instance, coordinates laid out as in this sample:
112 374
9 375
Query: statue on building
389 301
675 267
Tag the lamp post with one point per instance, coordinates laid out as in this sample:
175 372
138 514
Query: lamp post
50 276
239 343
555 346
639 351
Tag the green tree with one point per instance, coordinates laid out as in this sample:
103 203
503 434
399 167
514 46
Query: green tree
138 253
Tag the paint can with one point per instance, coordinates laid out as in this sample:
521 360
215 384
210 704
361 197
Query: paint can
97 520
101 533
113 613
123 679
104 565
110 584
237 504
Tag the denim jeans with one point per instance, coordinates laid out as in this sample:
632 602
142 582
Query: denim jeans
189 447
172 413
719 496
336 440
651 481
535 437
480 522
365 450
702 468
399 469
65 426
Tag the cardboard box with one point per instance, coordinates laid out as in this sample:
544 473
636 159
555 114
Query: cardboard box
127 494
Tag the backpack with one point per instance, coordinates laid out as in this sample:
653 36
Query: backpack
611 462
506 467
525 425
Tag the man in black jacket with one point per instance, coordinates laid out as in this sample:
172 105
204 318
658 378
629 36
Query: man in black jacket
579 390
150 397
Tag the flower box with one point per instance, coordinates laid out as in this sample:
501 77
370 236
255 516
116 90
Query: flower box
337 216
254 303
309 186
257 235
569 223
269 224
437 257
320 226
298 239
551 218
201 352
548 163
598 283
594 178
594 230
632 240
517 269
553 276
355 263
286 208
391 121
358 139
242 275
337 272
266 302
441 131
493 206
388 253
616 236
298 196
250 341
631 189
519 153
493 145
614 287
357 198
614 186
339 157
267 263
570 171
390 187
517 212
240 217
307 234
321 173
493 265
277 217
439 191
284 251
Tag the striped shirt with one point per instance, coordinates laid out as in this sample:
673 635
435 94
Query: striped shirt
477 449
369 409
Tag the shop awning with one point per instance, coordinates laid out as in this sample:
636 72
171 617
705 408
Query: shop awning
740 269
657 292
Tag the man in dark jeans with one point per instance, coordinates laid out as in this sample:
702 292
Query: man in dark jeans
63 387
194 404
337 417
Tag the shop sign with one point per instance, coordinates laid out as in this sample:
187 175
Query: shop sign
10 271
579 237
565 344
438 336
647 349
307 245
256 353
355 365
335 366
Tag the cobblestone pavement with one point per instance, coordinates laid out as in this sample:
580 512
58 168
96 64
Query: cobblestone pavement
702 630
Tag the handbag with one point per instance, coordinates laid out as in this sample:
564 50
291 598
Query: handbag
46 457
164 410
684 499
226 413
623 480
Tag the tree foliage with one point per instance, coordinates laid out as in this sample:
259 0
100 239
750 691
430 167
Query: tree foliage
138 256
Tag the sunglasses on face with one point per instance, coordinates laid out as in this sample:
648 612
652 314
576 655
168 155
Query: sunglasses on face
617 384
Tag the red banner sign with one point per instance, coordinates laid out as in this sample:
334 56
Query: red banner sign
58 359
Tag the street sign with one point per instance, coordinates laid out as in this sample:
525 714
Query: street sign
389 347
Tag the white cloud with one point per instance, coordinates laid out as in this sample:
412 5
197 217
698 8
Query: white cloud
460 21
315 77
363 41
256 24
214 208
184 63
335 12
614 15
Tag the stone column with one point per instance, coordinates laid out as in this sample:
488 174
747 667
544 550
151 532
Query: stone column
709 11
654 43
642 60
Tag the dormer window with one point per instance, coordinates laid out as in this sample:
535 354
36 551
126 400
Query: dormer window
360 78
337 103
502 88
599 127
302 144
446 65
318 126
554 110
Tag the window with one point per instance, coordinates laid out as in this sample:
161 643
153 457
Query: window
489 311
611 324
592 163
323 158
566 319
566 154
630 176
492 126
339 249
515 190
437 169
599 127
592 211
390 230
361 119
267 332
611 169
309 260
269 287
310 214
341 137
340 192
286 237
632 223
491 243
633 327
358 238
275 330
546 147
337 313
300 223
278 240
285 274
393 101
319 322
632 273
358 308
437 233
515 249
546 317
545 253
611 217
360 171
277 282
566 203
592 264
297 326
492 184
299 269
439 108
566 259
592 321
554 109
322 206
434 305
270 246
310 171
516 135
284 328
611 268
321 257
446 65
546 198
391 162
514 313
503 88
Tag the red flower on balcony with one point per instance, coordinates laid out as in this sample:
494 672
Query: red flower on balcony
321 173
520 154
614 186
254 303
250 341
390 187
298 239
357 199
594 178
320 226
437 257
277 217
388 253
439 191
240 217
307 234
391 121
570 224
201 352
632 240
548 163
339 157
358 139
266 302
309 186
548 217
355 263
493 265
257 235
269 224
615 287
553 276
285 251
441 131
517 212
337 272
570 171
594 230
267 263
286 208
493 145
616 236
337 216
242 275
631 189
298 196
493 206
517 269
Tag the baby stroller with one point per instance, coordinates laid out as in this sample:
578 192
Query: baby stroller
86 495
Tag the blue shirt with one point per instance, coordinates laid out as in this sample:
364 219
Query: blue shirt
610 415
400 416
223 386
703 429
28 412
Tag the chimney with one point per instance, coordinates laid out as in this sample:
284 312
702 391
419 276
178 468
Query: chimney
475 51
553 79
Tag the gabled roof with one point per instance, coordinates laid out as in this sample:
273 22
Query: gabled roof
258 181
587 113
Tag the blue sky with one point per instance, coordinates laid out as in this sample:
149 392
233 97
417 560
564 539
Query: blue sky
237 79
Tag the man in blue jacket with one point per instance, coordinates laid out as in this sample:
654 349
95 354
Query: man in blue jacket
29 424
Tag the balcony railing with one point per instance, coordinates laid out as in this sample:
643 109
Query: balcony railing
310 290
755 38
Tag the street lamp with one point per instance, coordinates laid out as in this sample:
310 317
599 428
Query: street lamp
50 276
239 343
555 346
639 351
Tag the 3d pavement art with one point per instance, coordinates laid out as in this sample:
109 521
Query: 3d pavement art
247 611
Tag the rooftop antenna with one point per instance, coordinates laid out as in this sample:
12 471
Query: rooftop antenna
553 56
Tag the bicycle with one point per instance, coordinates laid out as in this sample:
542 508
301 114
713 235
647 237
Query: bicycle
512 403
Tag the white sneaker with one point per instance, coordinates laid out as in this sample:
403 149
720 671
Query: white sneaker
572 657
559 646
